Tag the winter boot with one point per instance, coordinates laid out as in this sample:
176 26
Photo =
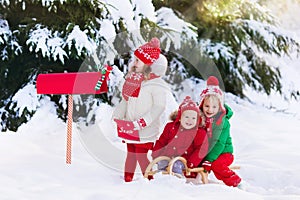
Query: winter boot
128 176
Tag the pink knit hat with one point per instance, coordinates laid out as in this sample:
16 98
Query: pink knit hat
187 104
149 52
212 88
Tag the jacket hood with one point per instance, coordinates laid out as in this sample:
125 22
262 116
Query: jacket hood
159 67
229 111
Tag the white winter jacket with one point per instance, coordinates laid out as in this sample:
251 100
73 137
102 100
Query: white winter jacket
149 105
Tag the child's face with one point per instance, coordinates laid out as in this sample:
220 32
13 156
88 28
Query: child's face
210 107
188 119
138 65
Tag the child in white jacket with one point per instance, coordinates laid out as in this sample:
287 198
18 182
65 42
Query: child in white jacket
144 101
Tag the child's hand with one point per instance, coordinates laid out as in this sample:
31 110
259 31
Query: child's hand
190 165
139 124
207 166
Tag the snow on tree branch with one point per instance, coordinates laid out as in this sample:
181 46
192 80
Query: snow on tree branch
269 37
8 41
81 41
216 50
38 40
167 19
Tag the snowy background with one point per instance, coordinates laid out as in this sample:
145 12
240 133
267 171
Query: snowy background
265 132
33 159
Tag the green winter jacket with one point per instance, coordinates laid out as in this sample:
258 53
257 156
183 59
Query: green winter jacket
220 142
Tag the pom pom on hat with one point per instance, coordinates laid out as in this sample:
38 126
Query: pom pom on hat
154 42
212 80
149 52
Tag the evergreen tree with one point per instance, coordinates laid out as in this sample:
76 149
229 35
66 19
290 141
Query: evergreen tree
55 36
41 36
240 33
38 39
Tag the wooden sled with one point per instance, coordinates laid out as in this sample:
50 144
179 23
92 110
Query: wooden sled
149 170
199 170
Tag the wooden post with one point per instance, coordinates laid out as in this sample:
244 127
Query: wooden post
69 129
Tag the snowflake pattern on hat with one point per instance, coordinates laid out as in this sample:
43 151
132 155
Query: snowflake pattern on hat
212 88
149 52
187 104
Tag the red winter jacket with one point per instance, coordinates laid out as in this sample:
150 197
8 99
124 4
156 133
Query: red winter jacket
176 141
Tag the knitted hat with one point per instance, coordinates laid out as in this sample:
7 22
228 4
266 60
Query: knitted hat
187 104
159 67
212 88
149 52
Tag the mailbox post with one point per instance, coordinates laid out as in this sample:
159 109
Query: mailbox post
69 84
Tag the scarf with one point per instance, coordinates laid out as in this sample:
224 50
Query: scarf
209 122
132 85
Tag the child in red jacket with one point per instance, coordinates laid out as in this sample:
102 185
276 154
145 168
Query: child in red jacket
182 137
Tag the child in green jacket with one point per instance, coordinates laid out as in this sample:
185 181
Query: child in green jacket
220 154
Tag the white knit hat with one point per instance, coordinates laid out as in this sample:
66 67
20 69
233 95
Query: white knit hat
212 88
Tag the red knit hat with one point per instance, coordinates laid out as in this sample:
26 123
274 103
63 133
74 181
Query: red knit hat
213 81
187 104
149 52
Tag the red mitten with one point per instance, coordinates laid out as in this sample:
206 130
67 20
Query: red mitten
139 124
190 165
207 166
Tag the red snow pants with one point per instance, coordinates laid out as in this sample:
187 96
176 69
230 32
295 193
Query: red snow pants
220 167
136 153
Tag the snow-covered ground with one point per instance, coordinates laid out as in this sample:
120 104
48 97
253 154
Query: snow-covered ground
32 164
265 133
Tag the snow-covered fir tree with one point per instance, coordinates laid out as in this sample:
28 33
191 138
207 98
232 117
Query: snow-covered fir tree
57 36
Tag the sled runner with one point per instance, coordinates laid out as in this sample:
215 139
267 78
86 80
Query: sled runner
149 170
187 171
